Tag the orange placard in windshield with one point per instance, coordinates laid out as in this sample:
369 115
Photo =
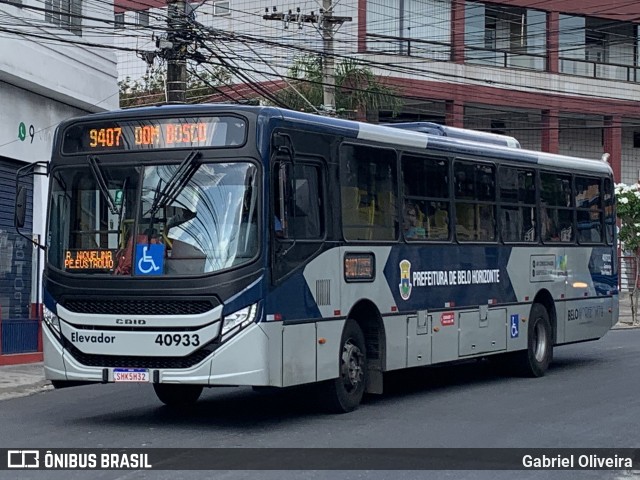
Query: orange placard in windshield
88 260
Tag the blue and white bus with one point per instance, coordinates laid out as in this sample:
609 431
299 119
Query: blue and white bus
206 245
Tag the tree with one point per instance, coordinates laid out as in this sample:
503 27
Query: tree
628 200
150 89
358 91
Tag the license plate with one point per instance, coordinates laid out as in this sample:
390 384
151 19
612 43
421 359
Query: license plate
131 375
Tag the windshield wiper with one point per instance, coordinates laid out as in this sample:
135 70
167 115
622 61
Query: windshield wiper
102 184
176 183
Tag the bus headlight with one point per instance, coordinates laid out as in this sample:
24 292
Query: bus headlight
51 319
236 321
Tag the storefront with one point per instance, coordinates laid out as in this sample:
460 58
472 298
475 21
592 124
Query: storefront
27 123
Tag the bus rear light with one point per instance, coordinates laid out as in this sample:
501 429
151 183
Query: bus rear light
336 313
449 304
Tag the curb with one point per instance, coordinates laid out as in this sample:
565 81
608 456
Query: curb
25 390
625 326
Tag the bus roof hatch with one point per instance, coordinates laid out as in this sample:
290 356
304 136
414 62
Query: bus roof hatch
459 133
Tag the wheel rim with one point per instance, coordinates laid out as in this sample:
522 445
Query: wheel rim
352 363
540 345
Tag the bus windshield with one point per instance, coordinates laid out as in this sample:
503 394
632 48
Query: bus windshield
153 220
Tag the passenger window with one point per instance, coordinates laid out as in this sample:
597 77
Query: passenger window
556 214
517 205
588 201
609 211
475 204
369 193
297 201
426 198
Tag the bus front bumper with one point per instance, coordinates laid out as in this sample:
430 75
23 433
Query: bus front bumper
242 360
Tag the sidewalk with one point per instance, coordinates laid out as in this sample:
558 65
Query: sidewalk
27 379
624 316
22 380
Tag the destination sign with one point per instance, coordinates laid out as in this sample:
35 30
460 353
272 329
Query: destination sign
154 133
89 260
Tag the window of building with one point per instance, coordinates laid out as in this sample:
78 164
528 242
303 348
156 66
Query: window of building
66 14
412 27
426 198
475 201
505 36
517 205
142 18
118 21
221 8
369 193
596 47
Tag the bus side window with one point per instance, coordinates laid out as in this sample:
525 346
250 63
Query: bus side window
557 208
589 210
475 194
426 189
517 193
297 201
368 193
278 187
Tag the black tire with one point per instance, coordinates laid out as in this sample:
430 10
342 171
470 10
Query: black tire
535 360
345 393
176 395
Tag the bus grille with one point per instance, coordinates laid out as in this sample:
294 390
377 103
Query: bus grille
129 361
139 307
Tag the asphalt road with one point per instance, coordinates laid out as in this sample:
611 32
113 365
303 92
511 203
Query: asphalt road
588 399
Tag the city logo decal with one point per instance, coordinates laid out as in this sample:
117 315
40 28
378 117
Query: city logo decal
405 279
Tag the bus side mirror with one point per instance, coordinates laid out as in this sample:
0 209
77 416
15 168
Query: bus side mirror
21 207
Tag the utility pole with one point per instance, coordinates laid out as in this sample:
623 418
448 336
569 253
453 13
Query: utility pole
328 61
327 24
175 53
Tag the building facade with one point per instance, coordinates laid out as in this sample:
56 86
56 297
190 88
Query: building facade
561 76
53 66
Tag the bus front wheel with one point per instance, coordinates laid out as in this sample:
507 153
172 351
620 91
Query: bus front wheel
176 395
534 361
344 394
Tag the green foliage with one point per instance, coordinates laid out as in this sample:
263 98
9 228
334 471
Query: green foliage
150 90
357 88
628 207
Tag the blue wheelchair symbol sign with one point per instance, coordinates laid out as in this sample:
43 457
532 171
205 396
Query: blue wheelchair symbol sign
149 259
515 325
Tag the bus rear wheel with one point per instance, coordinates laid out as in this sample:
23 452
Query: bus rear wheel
535 360
345 393
176 395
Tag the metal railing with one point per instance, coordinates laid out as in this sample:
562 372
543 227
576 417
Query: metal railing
408 46
495 57
607 71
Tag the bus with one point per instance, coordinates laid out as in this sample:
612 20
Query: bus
197 246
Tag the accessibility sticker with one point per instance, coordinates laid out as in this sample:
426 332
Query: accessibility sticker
149 259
